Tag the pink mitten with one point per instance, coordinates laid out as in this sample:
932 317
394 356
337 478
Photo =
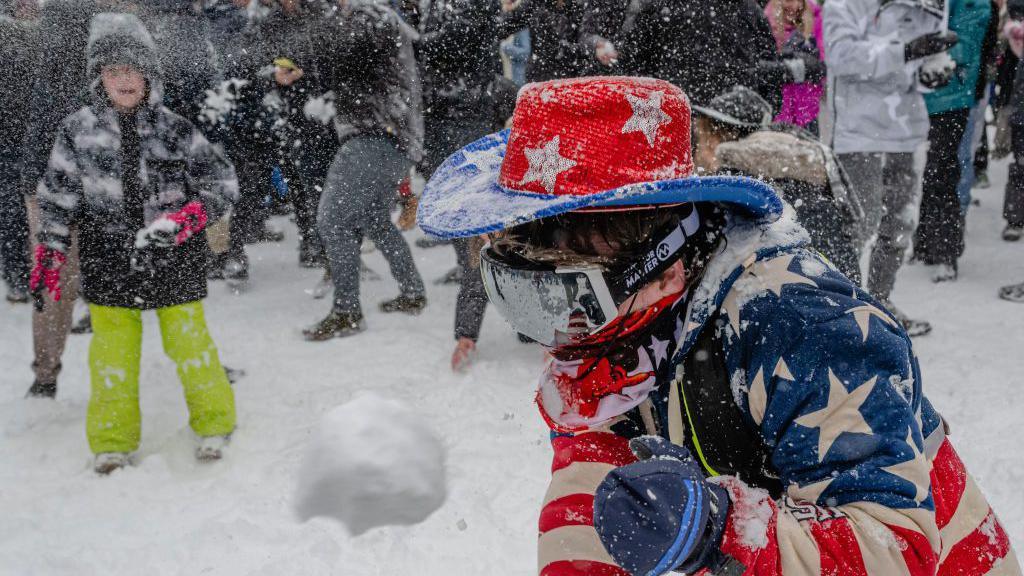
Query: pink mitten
173 229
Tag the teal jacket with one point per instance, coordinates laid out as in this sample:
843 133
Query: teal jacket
969 19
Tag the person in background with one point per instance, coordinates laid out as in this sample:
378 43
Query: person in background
973 151
59 89
875 53
517 48
367 60
939 238
139 183
562 44
739 139
458 54
796 26
1013 204
18 45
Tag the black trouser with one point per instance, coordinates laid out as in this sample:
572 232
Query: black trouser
14 252
1013 204
249 213
940 230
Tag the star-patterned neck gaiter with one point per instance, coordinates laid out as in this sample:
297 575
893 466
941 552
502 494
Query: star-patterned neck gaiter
613 371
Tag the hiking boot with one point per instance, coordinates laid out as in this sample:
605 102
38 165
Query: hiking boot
911 326
407 304
943 273
1013 292
335 325
107 462
17 295
83 326
981 180
1012 233
211 448
41 389
431 242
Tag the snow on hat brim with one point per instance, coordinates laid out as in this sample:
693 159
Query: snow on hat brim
463 197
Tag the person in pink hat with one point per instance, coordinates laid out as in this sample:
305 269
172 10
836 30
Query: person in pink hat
721 399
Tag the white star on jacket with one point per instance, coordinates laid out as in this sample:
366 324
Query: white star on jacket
647 116
546 163
841 414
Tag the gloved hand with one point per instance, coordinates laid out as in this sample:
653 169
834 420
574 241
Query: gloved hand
660 514
929 44
937 71
805 67
46 274
173 229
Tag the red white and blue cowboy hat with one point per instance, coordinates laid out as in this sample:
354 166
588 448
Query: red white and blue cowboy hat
598 143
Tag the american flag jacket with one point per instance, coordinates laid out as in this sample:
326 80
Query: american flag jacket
870 483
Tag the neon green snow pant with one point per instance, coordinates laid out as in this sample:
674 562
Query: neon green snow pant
114 422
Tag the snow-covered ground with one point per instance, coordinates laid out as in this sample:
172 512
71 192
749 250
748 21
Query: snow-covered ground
171 515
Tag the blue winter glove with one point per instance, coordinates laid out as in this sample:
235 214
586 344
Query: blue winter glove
659 514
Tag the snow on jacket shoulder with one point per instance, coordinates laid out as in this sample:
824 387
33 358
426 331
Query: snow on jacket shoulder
828 380
875 96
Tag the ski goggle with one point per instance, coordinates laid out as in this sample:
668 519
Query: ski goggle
557 305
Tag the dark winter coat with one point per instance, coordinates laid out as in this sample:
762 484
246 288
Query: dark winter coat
811 180
703 46
458 55
110 181
18 53
367 61
562 48
60 83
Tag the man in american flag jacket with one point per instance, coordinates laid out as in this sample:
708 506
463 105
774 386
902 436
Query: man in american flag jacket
722 400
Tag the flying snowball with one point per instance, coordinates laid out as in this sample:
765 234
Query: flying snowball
372 462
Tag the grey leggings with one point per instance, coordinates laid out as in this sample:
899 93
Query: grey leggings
885 184
357 200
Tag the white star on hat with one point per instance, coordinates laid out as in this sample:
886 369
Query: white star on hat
647 116
546 163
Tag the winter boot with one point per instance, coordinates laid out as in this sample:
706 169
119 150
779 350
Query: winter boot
311 256
408 304
453 276
83 326
913 327
1013 292
41 389
943 273
431 242
1012 233
335 325
211 448
17 295
265 233
107 462
981 180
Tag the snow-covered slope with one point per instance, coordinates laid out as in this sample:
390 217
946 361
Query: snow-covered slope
170 515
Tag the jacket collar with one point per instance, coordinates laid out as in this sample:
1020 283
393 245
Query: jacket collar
746 243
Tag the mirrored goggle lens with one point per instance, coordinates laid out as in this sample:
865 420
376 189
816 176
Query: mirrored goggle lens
550 306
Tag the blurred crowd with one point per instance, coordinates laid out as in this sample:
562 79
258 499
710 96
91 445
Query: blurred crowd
335 111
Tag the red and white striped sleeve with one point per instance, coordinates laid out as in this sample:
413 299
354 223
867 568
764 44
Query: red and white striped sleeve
568 543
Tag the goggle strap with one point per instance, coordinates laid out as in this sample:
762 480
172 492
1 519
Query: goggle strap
655 261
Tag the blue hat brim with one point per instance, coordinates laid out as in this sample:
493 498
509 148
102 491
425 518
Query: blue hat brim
463 197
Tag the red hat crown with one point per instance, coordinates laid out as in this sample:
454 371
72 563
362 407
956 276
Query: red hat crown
583 136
